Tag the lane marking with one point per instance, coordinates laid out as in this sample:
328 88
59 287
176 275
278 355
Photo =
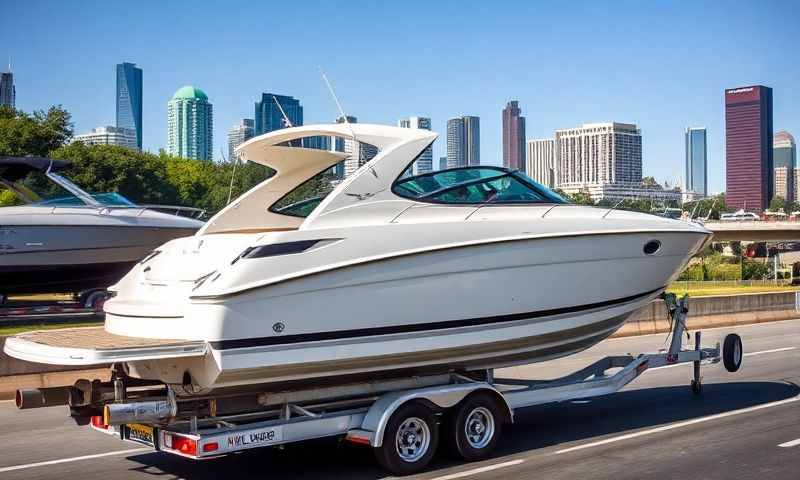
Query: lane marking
478 470
74 459
793 443
749 354
678 425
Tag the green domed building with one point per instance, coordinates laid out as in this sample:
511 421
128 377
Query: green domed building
190 124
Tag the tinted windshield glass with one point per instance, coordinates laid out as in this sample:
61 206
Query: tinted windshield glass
475 185
301 201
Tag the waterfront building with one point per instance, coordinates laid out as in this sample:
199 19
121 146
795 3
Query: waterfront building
123 137
189 122
238 134
129 99
443 163
268 116
785 162
541 161
513 137
463 141
748 148
602 157
696 161
8 92
424 163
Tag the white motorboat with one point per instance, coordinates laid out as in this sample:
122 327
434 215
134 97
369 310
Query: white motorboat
74 240
463 269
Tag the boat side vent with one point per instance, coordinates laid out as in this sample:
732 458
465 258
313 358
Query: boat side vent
652 247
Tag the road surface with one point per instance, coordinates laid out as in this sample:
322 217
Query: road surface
745 425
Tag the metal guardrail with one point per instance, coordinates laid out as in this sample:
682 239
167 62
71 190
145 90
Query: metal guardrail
694 284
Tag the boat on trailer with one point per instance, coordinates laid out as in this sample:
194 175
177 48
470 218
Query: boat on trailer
385 274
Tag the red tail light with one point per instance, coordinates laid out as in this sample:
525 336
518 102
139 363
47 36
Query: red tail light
184 445
211 447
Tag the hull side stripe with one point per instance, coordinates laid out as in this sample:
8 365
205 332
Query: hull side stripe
417 327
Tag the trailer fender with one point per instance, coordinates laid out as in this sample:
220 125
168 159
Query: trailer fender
374 423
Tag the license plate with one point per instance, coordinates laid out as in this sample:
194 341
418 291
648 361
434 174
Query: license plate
141 434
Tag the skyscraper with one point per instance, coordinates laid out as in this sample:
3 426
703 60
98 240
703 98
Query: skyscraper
541 161
190 124
748 147
784 152
238 134
463 141
123 137
443 163
425 161
598 157
696 161
513 137
129 99
268 116
8 92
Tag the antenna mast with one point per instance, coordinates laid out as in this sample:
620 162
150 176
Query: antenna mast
356 143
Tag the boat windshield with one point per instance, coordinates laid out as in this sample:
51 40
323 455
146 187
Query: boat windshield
52 189
301 201
475 185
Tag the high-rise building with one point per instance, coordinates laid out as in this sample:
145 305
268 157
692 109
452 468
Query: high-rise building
8 92
123 137
238 134
541 161
513 137
463 141
696 161
784 153
748 147
425 161
129 99
597 156
190 124
359 153
443 163
268 116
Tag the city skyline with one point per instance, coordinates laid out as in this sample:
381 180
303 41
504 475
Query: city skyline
658 89
129 99
190 119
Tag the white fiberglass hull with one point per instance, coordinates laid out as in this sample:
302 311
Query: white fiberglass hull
472 307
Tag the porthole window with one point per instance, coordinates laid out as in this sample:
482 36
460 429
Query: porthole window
652 247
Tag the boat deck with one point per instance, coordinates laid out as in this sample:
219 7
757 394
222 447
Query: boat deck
95 346
95 338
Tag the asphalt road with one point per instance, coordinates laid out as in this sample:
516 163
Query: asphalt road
654 428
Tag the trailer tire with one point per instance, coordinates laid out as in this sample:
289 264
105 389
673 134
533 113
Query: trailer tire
409 440
473 428
732 352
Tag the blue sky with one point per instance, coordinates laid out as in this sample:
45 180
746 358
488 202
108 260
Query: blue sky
661 65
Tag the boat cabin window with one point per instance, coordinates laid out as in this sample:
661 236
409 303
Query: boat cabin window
301 201
473 185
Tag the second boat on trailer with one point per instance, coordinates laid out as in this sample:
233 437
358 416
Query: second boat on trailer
387 275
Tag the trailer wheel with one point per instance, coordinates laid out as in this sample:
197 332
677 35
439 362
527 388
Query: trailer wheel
732 352
473 428
93 299
409 440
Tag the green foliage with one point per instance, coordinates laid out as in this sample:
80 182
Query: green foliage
717 267
37 134
693 273
710 207
753 270
777 203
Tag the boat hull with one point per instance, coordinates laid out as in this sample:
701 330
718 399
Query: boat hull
478 307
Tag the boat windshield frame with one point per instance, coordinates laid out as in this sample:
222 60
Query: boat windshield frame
548 196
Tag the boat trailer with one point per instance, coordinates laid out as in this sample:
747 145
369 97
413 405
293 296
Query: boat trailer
401 419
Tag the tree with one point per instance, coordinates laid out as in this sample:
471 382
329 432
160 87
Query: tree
777 203
38 134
